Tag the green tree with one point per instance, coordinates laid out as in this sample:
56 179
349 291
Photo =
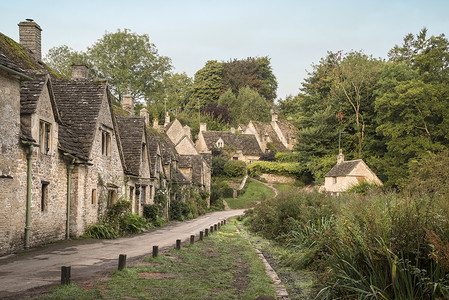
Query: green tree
207 86
130 62
61 58
229 99
254 107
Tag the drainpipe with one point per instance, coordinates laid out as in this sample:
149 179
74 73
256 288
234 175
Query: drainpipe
28 207
70 167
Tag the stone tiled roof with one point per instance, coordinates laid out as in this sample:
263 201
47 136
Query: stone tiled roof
6 62
245 142
343 169
131 131
265 128
153 143
195 162
79 102
17 56
30 92
207 158
288 129
179 177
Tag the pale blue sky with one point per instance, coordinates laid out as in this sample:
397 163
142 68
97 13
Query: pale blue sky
294 34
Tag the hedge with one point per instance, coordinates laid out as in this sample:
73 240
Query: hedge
278 168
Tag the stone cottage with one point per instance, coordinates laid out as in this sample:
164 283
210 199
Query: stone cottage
346 174
238 146
134 138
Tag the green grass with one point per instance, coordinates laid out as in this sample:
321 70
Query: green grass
255 192
223 266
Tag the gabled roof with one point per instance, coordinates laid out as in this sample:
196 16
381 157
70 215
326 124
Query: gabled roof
343 169
132 130
266 129
288 129
79 102
195 162
245 142
18 57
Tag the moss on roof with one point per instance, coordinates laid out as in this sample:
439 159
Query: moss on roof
17 53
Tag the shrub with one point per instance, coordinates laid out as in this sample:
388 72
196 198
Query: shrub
218 163
363 187
101 231
151 212
227 192
133 223
178 210
268 167
235 168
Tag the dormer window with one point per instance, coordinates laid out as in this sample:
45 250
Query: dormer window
220 143
105 143
45 137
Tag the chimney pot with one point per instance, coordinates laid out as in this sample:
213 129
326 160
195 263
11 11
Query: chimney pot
340 157
128 104
30 37
155 123
80 71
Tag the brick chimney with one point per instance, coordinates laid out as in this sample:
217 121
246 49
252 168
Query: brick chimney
232 130
274 117
203 127
30 37
144 113
128 104
187 131
155 123
80 71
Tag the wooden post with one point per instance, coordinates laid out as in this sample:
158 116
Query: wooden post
155 251
201 235
225 222
206 232
215 227
192 239
65 274
121 262
178 244
222 222
211 229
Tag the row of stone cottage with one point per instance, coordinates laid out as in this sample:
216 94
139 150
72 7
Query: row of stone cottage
66 155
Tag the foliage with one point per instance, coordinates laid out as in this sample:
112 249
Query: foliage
372 246
218 163
117 222
254 192
278 168
218 112
287 157
268 156
161 199
128 60
234 168
363 187
207 85
254 107
151 212
178 210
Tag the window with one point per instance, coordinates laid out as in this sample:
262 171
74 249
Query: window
143 194
220 144
94 197
105 143
112 197
143 152
335 180
44 137
44 196
158 160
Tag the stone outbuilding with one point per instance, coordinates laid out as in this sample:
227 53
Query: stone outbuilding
346 174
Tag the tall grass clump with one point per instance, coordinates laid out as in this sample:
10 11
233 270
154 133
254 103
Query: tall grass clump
378 245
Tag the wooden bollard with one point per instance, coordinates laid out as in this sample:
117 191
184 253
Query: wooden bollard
192 239
215 227
155 251
201 235
206 232
178 244
211 229
222 223
225 222
121 262
65 274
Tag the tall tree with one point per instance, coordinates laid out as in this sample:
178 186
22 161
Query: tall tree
207 86
130 62
62 57
254 106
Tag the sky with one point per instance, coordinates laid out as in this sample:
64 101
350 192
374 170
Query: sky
293 34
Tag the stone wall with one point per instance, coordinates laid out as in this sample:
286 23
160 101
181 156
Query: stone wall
272 178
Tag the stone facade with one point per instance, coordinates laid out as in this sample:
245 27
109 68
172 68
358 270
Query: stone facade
272 178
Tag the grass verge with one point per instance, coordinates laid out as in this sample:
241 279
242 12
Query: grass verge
223 266
255 192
